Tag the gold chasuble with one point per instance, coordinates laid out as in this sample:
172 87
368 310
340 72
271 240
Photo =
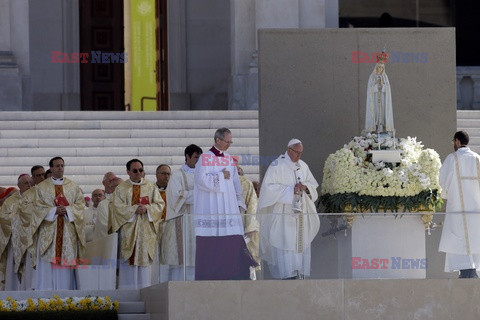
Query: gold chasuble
22 237
7 210
250 222
61 238
138 231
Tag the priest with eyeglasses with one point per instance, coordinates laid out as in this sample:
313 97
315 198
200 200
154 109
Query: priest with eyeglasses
137 208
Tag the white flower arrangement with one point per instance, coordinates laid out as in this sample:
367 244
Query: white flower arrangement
350 170
59 304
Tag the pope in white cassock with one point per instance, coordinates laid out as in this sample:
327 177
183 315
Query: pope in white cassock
288 191
221 251
179 218
460 182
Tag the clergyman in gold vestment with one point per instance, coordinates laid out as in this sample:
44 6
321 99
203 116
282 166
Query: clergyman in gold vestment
58 221
136 214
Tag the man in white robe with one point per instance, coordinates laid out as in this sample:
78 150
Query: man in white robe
108 178
91 213
287 215
221 252
460 182
103 222
178 219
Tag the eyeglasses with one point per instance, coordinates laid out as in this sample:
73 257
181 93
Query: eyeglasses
229 142
296 152
137 170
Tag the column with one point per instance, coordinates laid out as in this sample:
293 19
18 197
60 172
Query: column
243 43
459 92
177 55
10 80
476 91
4 25
71 43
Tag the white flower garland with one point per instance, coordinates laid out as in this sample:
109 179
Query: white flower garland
349 170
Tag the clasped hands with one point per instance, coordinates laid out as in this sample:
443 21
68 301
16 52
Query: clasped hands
61 211
299 187
226 174
141 209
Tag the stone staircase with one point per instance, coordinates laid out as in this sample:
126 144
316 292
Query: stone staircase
131 305
469 120
93 143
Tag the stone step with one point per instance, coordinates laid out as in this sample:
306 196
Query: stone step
101 170
121 134
122 115
122 124
131 307
123 143
105 161
468 114
136 152
120 295
134 317
468 123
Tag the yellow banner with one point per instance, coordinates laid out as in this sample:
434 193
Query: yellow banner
144 56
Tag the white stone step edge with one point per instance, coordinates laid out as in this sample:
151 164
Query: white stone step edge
125 115
141 124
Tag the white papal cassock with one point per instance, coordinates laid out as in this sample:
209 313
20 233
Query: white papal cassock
285 236
460 182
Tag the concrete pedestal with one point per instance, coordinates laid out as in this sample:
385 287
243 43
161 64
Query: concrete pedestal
383 247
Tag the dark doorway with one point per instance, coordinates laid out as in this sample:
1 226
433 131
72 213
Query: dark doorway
162 55
101 31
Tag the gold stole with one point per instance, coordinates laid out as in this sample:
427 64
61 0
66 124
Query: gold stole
60 224
135 200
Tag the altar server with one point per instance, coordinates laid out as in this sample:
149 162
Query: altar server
460 182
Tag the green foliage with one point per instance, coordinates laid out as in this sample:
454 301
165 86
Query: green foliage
353 202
